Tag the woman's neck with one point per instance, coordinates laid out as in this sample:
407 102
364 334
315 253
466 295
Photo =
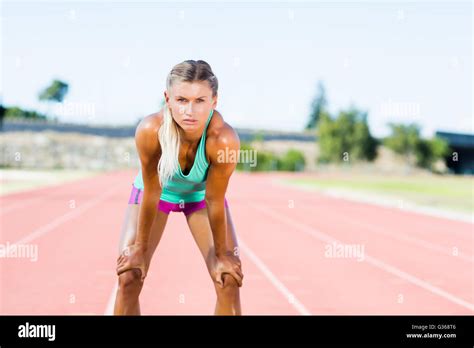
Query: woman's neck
189 138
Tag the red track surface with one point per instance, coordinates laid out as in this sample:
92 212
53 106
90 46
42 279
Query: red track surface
412 264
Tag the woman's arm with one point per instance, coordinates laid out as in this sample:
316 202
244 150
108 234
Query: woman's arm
149 150
220 170
223 150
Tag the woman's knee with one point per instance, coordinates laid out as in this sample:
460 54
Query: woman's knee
130 281
230 289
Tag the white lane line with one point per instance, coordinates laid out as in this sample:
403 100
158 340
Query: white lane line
291 298
109 309
64 218
69 216
26 202
416 241
18 205
369 259
403 237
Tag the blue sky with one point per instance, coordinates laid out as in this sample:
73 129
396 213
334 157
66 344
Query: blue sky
403 62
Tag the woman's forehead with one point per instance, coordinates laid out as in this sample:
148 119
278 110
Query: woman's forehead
194 89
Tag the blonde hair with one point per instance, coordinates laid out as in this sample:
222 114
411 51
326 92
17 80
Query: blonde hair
187 71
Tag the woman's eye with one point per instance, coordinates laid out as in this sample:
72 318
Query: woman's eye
200 100
180 99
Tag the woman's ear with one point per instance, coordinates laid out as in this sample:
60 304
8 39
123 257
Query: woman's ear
214 101
167 98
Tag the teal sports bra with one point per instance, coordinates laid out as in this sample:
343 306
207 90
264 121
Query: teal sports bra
186 188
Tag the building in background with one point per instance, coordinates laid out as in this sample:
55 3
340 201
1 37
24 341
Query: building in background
461 161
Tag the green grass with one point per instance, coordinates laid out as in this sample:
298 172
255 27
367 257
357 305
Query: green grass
450 192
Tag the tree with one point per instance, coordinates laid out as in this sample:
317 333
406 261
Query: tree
404 140
428 151
365 145
56 92
19 113
347 137
318 106
327 134
293 160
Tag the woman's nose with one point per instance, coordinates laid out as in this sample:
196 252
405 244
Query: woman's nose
189 108
186 109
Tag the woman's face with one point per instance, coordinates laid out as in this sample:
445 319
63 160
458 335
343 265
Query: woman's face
190 103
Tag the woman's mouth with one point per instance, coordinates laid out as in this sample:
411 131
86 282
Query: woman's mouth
189 121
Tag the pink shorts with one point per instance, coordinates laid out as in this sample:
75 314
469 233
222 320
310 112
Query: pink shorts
167 207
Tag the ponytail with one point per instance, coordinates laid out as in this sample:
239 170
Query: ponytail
169 140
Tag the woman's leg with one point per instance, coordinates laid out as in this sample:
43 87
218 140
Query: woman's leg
228 298
129 283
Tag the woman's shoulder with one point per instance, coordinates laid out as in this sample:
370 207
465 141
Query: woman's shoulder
152 121
146 134
220 134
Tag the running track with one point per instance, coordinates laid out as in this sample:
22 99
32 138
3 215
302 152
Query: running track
413 263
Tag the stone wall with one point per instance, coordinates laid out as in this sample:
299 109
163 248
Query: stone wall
49 149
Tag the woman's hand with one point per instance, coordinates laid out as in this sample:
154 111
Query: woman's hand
133 257
226 263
